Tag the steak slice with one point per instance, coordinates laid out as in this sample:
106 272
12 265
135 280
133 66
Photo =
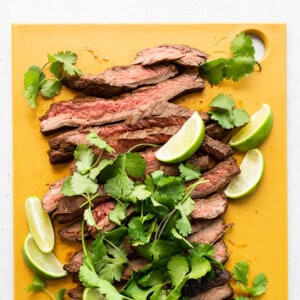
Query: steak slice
217 293
209 208
209 232
89 111
75 293
120 79
194 287
162 114
101 215
221 252
75 262
179 54
217 178
215 148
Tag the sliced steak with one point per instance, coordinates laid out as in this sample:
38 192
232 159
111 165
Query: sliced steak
75 293
194 286
75 262
215 131
210 233
53 196
179 54
222 292
215 148
120 79
209 208
217 178
88 111
101 215
162 114
221 251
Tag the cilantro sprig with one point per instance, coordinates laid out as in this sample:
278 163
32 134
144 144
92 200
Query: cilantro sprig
38 285
259 283
240 64
226 114
61 64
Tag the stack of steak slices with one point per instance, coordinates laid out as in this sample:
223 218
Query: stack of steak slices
127 106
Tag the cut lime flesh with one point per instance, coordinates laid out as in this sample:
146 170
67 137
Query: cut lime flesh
185 142
44 264
40 224
92 294
255 132
252 169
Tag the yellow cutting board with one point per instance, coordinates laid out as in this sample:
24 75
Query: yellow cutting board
259 233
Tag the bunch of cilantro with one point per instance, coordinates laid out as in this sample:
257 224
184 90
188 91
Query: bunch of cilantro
156 227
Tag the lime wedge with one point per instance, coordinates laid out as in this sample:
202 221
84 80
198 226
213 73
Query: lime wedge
252 169
40 224
92 294
44 264
255 132
185 142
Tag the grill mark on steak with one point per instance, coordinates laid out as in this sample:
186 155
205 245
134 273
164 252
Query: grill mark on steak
120 79
209 208
217 178
88 111
179 54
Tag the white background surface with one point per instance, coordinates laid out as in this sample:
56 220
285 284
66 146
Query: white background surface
154 11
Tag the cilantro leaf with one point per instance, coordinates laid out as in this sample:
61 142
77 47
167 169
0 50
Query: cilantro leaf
200 266
50 88
67 59
239 66
213 70
82 184
189 172
118 214
178 268
60 294
135 164
37 284
138 232
222 117
226 114
222 101
240 272
259 284
32 84
242 63
84 157
96 140
242 45
139 193
240 117
88 217
95 172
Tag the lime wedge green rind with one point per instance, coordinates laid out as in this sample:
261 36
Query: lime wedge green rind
255 132
45 265
185 142
252 170
40 224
